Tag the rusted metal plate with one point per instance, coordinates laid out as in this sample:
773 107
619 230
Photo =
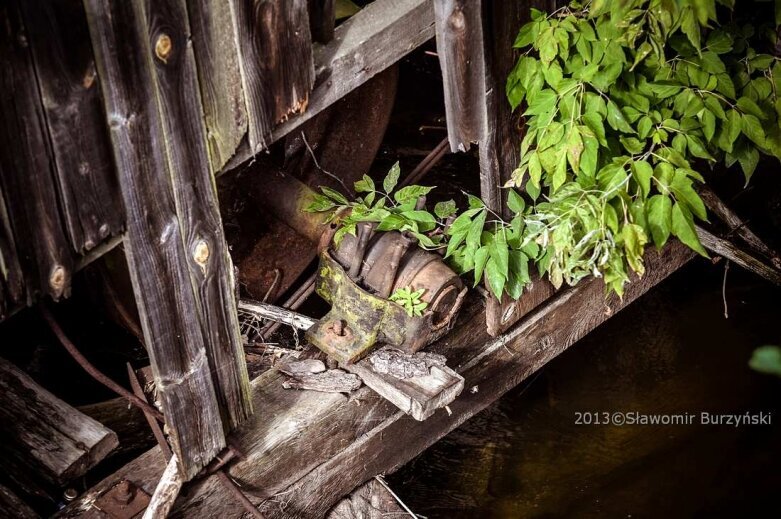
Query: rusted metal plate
123 501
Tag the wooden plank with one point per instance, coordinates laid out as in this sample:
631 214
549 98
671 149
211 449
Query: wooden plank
371 41
27 182
210 265
277 72
216 54
309 449
322 19
155 239
41 434
11 276
59 39
459 27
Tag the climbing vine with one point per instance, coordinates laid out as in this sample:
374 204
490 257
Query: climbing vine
627 105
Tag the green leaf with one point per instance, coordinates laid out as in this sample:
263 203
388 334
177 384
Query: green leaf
320 204
542 102
515 202
500 253
445 209
393 222
683 229
719 41
334 195
690 27
659 217
475 231
596 125
766 359
410 193
642 173
634 239
481 258
574 149
748 106
752 128
708 124
365 185
426 220
526 35
616 119
392 178
684 192
496 278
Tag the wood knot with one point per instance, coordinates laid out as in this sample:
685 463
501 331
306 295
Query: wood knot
201 253
457 21
163 47
57 279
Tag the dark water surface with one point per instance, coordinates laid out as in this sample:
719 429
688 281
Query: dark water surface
671 352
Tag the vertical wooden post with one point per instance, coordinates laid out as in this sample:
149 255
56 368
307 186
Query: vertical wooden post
475 47
276 65
459 29
176 251
65 68
217 57
27 180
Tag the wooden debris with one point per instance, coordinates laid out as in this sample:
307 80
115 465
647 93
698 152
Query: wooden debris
398 364
331 381
41 434
276 314
301 367
166 492
746 260
126 420
369 501
419 396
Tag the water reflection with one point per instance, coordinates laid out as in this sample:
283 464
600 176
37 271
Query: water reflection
671 352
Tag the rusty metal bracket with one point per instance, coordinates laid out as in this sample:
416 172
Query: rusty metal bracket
124 500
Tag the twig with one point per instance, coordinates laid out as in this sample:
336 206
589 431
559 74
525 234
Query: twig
92 370
382 482
276 313
156 431
277 277
425 165
317 165
728 250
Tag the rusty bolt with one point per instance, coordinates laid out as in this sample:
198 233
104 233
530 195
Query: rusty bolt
70 494
163 47
123 494
201 253
338 327
57 279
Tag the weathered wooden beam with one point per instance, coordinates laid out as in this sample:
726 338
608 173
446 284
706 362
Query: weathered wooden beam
164 243
277 72
217 56
42 435
65 68
28 181
371 41
309 449
166 492
459 28
276 314
11 277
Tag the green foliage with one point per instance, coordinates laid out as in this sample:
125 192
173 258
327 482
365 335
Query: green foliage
624 101
767 359
391 209
410 301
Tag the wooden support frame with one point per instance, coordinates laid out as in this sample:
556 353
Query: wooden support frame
181 273
329 444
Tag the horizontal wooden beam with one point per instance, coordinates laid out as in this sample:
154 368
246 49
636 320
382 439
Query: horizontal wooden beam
309 449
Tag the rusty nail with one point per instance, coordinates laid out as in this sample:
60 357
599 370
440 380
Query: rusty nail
163 47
